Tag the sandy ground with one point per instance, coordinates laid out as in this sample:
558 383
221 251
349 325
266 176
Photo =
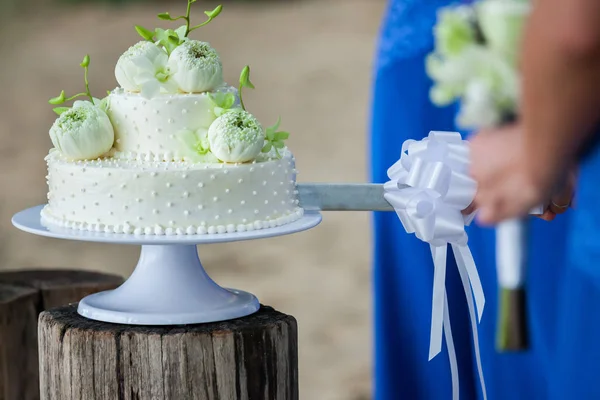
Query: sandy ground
311 64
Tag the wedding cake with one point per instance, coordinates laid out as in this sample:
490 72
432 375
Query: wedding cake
173 150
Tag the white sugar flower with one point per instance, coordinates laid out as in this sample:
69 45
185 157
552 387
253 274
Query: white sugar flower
502 23
143 68
236 136
197 67
83 132
196 146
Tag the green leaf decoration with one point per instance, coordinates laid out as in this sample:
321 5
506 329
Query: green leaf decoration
181 31
275 139
218 111
60 110
229 100
165 16
160 34
104 104
86 61
174 39
58 99
270 133
62 97
222 102
245 78
167 38
145 33
281 136
196 143
214 13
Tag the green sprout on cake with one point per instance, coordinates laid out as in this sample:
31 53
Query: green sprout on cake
167 61
274 139
171 39
236 135
62 97
83 131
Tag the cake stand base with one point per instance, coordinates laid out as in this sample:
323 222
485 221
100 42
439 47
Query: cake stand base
168 287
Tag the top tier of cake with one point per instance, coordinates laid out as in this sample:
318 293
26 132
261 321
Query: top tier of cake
151 129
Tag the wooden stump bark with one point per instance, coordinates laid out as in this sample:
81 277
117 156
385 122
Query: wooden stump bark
23 295
250 358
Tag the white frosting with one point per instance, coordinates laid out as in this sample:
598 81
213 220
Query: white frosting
151 126
157 198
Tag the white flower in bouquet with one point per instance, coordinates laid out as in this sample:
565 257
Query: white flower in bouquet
478 108
143 68
82 132
236 136
502 22
451 76
455 30
196 66
465 77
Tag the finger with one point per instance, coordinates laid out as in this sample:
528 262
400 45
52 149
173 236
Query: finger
548 215
470 209
560 202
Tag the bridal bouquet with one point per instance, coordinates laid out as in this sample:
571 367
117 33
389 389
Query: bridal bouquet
475 62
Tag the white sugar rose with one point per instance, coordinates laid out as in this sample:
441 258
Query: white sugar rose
197 67
236 136
502 23
83 132
143 68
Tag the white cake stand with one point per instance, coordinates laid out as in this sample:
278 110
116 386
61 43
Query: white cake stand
169 286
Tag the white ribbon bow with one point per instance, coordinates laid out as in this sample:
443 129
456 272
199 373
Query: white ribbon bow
429 187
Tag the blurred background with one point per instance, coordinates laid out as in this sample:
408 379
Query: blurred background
311 63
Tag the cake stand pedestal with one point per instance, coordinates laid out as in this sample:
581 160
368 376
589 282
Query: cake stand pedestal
169 285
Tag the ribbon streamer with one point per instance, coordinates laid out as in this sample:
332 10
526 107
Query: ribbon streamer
429 187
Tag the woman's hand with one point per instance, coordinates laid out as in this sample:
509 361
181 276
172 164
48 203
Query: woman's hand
511 181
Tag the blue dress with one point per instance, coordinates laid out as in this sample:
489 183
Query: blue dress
403 269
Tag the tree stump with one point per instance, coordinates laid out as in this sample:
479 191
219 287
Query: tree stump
250 358
23 295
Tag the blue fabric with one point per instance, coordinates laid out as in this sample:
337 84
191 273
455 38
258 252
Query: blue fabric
403 270
578 352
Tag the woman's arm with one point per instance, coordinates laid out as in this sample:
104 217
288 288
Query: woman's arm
561 83
560 111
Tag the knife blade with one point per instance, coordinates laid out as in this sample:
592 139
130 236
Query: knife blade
342 197
350 197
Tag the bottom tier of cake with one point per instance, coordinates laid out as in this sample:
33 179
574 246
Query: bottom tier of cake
166 198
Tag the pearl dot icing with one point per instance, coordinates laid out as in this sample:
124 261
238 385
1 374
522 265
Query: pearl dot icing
154 195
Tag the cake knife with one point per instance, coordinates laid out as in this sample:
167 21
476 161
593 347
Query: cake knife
350 197
342 197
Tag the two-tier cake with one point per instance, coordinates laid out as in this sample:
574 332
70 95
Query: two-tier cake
173 150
